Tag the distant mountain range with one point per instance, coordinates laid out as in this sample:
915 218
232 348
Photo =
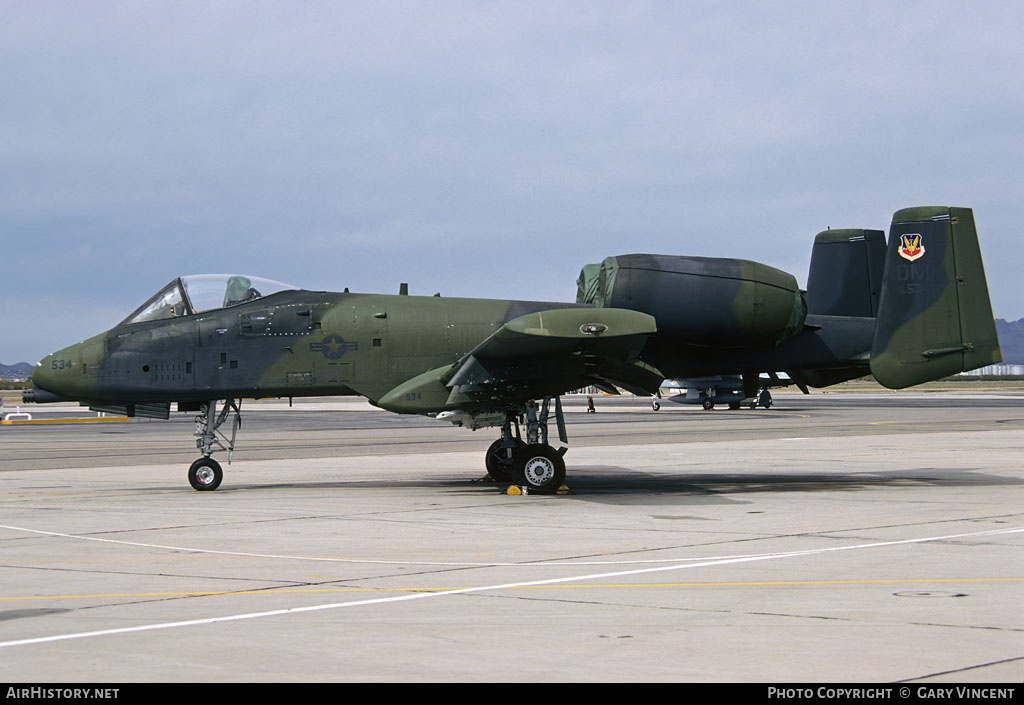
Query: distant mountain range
19 371
1011 340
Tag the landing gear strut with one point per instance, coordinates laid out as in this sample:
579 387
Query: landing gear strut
206 474
532 463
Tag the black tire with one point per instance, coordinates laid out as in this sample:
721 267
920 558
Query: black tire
540 468
734 405
499 465
655 406
708 403
205 475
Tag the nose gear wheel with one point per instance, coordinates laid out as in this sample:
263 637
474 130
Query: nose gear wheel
205 475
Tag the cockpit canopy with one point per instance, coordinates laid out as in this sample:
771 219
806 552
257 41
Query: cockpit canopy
197 293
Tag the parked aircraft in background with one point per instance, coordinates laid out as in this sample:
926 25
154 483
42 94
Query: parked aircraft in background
732 390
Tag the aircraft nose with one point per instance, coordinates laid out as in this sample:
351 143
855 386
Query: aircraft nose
51 376
66 375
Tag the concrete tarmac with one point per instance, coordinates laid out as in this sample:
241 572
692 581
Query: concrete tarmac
833 538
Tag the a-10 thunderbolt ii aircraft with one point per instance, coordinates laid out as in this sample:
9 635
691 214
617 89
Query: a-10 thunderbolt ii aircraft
913 310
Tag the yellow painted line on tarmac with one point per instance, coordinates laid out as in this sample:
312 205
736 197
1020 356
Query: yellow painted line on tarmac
86 419
300 591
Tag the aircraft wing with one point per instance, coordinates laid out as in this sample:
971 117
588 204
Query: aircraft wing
540 354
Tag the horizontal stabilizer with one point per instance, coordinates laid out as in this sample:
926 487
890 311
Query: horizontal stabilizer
845 278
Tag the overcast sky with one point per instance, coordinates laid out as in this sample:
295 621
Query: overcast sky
477 148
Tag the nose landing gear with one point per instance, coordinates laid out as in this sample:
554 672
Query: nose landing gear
205 474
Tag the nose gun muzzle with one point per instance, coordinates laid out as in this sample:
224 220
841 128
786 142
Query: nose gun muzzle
37 395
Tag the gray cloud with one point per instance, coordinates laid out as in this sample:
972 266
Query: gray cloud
480 149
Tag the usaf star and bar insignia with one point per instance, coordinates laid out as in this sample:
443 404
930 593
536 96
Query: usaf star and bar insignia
333 347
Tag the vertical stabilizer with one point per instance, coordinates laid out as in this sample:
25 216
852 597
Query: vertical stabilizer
935 317
845 278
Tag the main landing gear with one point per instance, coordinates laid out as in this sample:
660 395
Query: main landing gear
532 463
205 474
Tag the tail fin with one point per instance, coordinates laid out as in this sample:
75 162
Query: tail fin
845 278
935 317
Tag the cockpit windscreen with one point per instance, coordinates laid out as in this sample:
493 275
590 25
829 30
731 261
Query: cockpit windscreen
209 291
197 293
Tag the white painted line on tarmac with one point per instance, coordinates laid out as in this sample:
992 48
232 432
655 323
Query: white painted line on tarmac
371 561
538 563
491 588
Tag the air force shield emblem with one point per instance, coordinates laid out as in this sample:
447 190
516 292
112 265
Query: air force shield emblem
911 247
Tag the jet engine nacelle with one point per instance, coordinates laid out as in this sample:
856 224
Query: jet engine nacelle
700 300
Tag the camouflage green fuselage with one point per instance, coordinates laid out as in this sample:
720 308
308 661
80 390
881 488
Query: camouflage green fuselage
302 343
290 344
